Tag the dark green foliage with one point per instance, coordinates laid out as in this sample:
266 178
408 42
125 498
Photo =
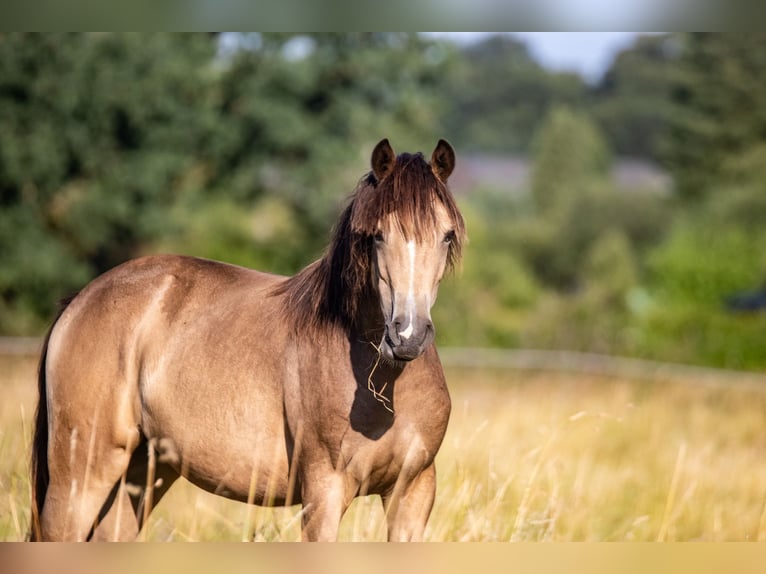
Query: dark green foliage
498 95
692 334
610 271
95 133
719 101
113 145
569 236
486 303
243 147
703 262
633 103
577 203
570 159
294 127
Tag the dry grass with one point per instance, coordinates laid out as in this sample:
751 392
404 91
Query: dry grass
526 457
18 389
565 458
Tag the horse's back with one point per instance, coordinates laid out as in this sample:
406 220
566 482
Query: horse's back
149 299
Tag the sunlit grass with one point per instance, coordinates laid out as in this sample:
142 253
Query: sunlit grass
527 457
18 389
558 457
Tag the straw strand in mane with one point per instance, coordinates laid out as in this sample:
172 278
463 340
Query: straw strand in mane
328 292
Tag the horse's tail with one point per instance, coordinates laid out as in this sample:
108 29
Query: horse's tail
39 464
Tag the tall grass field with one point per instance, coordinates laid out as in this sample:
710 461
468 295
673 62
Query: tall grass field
527 457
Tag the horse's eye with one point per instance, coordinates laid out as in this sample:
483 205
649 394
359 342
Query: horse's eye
449 237
379 237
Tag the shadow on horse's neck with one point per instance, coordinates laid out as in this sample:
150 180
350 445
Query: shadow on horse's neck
373 410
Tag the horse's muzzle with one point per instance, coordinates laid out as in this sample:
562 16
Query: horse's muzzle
409 343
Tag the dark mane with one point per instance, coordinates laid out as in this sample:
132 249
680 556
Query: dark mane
328 292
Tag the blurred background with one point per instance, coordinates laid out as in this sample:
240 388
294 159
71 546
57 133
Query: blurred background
614 185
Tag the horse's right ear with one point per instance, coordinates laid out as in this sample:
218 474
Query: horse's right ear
383 159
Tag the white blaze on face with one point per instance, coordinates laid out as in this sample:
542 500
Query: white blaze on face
410 305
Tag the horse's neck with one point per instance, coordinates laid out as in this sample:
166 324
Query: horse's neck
369 325
372 372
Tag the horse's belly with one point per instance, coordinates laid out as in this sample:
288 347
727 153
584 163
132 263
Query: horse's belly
223 432
256 476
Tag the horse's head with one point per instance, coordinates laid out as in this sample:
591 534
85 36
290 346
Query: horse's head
416 232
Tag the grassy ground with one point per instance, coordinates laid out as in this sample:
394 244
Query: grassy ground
526 457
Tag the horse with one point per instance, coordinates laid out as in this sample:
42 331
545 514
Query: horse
275 391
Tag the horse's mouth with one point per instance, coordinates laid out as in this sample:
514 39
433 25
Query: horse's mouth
399 353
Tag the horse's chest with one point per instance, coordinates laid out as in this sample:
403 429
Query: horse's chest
376 464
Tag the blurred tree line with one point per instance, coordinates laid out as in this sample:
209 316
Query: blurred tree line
114 145
243 147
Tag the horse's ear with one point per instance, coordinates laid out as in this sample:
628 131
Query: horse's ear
443 160
383 159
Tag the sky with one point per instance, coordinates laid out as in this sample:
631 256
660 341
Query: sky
587 53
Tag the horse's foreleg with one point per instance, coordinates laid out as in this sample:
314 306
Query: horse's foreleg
324 501
409 506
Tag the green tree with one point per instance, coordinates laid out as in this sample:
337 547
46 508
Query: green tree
486 305
593 318
114 145
610 271
570 158
498 95
633 103
719 99
577 203
295 125
96 132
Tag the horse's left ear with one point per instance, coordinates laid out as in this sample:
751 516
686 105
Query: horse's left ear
443 160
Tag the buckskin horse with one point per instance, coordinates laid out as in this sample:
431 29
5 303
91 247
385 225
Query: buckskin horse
311 389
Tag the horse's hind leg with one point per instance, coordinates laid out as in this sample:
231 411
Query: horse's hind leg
83 470
134 496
